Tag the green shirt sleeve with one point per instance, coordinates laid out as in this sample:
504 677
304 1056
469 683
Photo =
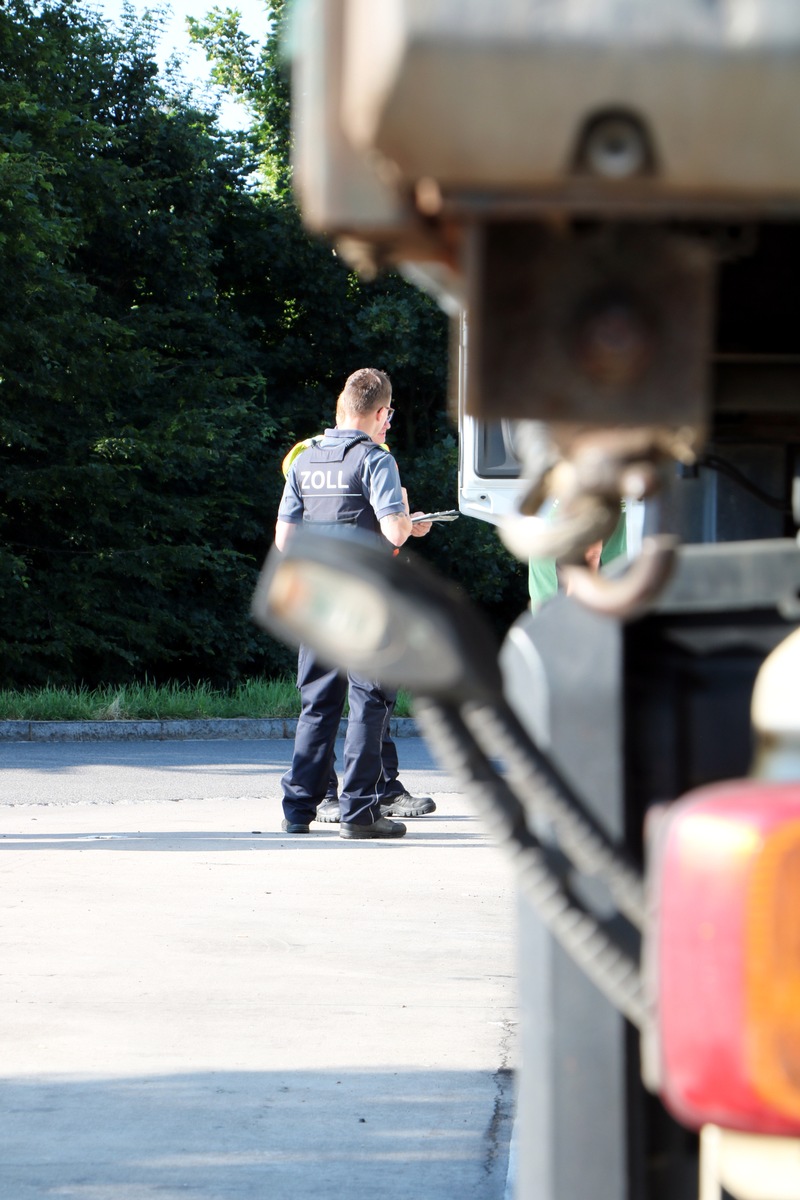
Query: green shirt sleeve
542 576
542 580
617 544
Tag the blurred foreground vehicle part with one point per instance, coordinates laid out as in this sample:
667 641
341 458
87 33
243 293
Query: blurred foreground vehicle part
605 195
722 973
607 191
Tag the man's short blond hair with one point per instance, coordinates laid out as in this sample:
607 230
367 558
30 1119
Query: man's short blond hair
364 391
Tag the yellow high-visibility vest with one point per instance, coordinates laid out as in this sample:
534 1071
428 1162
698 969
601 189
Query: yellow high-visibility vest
299 447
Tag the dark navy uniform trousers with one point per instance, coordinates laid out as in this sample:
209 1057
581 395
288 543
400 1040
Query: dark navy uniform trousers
391 787
322 697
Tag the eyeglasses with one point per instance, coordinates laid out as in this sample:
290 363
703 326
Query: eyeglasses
389 414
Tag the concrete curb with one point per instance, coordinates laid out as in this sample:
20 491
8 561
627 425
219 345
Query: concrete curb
239 728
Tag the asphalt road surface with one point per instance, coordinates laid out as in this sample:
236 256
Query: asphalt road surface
57 773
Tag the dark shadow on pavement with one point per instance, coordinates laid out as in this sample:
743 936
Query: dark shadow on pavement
282 1135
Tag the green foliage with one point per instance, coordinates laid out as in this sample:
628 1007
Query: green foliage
132 420
252 698
319 320
256 75
148 701
168 331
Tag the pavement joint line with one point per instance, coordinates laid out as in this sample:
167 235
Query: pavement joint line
238 728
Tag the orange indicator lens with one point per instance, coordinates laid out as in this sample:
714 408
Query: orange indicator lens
773 970
725 955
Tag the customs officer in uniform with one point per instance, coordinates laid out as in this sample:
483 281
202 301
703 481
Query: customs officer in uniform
348 478
396 800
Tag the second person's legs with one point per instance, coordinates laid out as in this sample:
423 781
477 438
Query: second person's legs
360 798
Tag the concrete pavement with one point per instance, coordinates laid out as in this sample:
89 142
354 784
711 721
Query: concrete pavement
193 1003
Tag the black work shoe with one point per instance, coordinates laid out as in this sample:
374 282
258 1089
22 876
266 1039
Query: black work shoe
406 805
294 827
382 828
328 811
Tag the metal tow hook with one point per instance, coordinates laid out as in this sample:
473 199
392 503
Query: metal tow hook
626 595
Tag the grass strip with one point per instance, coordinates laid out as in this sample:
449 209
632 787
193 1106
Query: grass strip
253 698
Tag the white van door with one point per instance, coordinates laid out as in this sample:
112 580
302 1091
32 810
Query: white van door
489 482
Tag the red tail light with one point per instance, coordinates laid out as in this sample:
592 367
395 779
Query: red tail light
723 959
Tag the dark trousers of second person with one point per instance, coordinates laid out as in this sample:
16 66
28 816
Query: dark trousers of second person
322 695
391 787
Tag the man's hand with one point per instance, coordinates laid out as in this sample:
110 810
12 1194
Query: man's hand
420 528
397 527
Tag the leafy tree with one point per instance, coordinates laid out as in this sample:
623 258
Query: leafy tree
133 428
386 323
168 330
257 75
330 321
